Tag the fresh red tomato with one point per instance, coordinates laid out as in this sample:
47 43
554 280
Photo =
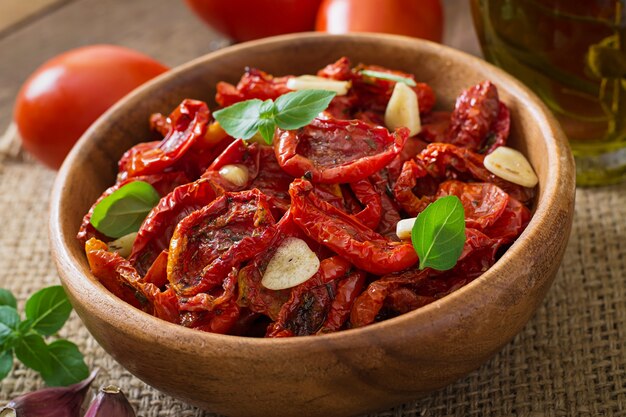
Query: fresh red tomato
69 92
418 18
244 20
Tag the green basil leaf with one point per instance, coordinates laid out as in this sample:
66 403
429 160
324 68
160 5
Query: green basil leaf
33 352
7 298
48 309
389 76
123 211
6 363
299 108
5 333
438 234
267 129
9 317
240 120
67 365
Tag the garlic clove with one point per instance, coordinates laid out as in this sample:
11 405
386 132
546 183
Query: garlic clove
124 245
235 174
403 110
292 264
404 228
312 82
50 402
511 165
110 402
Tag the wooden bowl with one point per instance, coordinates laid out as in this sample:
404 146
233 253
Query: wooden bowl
349 372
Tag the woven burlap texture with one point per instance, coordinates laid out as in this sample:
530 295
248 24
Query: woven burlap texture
568 361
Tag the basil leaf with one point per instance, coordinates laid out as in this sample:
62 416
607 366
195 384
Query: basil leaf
123 211
9 317
5 333
267 129
240 120
66 364
48 309
389 76
7 298
299 108
6 363
438 234
33 352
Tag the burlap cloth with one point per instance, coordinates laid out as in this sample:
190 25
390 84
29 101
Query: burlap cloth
568 361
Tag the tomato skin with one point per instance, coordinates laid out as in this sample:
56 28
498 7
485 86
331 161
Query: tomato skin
69 92
244 20
418 18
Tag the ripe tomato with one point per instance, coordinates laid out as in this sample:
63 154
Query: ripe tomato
418 18
69 92
244 20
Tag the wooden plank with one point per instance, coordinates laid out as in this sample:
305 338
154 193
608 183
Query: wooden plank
15 11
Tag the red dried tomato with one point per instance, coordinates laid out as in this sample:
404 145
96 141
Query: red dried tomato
253 84
337 151
345 235
188 124
158 227
210 242
366 194
348 289
307 308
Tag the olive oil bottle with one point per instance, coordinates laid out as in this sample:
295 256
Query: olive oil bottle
572 53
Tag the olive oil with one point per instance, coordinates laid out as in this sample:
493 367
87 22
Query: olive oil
572 53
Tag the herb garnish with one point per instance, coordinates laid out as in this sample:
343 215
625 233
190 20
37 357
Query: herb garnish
123 211
289 111
389 76
59 362
438 234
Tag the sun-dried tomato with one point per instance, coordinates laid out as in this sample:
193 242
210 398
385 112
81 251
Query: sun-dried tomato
412 204
435 126
157 229
370 200
345 235
368 305
511 223
188 124
309 303
475 112
499 130
337 151
210 242
221 320
348 289
483 202
253 84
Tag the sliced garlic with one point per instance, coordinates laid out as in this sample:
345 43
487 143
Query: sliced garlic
511 165
235 174
124 245
292 264
312 82
404 228
403 110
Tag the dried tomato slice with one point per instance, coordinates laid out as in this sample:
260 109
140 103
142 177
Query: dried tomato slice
435 126
511 223
368 305
412 171
188 123
337 151
366 194
499 130
447 161
309 303
345 235
209 301
475 111
113 271
158 227
163 183
253 84
210 242
483 202
348 289
221 320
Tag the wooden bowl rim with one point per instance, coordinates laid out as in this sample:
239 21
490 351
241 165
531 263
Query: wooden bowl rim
557 190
